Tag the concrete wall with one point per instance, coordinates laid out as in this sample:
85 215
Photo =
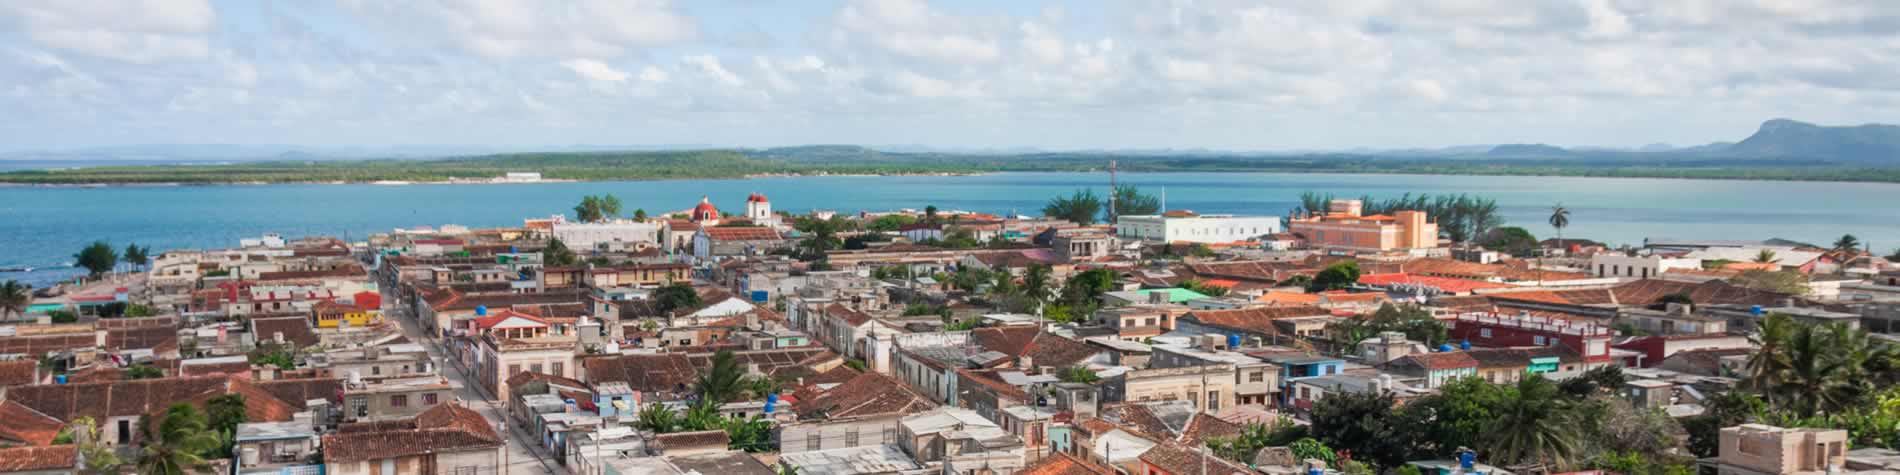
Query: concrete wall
808 436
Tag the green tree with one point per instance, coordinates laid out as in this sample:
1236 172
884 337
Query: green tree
274 355
1299 280
137 257
1766 256
1311 449
1823 369
143 371
1560 219
1783 281
610 206
1510 239
589 209
557 254
1255 436
14 298
1847 243
97 258
930 215
1602 379
674 297
1203 288
1036 281
969 279
723 382
752 434
100 458
640 214
222 416
1534 424
890 222
1079 374
659 419
181 445
1335 277
1365 425
1079 208
1130 201
822 236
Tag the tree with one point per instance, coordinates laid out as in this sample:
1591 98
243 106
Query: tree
1079 208
557 254
143 371
136 257
640 214
1895 257
1255 436
723 381
181 444
889 222
1765 365
1363 424
1766 256
1310 449
1202 288
1335 277
1783 281
610 206
1597 380
675 296
1079 374
1847 244
1510 239
1823 369
14 298
100 458
1036 281
1298 280
659 419
1535 424
274 355
823 236
1129 201
1560 219
589 209
97 258
223 413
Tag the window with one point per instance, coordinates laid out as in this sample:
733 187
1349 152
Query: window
1537 340
811 441
558 368
1213 400
1306 392
399 400
375 370
361 404
429 399
513 369
1257 376
1484 333
535 368
851 438
890 435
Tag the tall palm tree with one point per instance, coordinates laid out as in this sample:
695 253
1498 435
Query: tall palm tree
14 298
1766 256
723 381
1535 424
1560 219
1824 364
1766 364
180 446
1847 243
1036 281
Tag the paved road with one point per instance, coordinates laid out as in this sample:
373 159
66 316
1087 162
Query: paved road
523 455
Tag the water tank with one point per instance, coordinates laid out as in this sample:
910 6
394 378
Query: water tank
59 379
249 455
1233 341
356 377
1444 347
481 310
771 403
1465 345
1754 310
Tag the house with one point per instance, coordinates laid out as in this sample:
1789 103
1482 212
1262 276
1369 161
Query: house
1255 381
283 447
844 329
365 309
1653 350
1206 388
1179 459
1306 392
1188 226
728 241
58 459
1345 227
445 439
1590 340
862 412
1171 295
1250 325
1755 449
919 232
394 398
1434 369
116 406
1674 319
1061 463
500 358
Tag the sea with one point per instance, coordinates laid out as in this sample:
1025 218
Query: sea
42 227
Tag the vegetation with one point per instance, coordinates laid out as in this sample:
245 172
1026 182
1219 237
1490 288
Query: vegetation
557 254
1416 322
821 236
1766 256
1130 201
723 382
182 445
272 354
1810 375
143 371
1511 240
100 458
14 298
136 257
1847 243
1203 288
1461 217
751 434
1560 219
1784 281
595 209
1255 436
97 258
1335 277
222 416
889 222
62 316
1079 374
674 297
1079 208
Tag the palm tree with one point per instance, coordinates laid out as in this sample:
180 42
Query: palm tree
1535 425
723 381
1765 365
1560 219
1036 281
180 445
1766 257
14 298
1847 243
1824 363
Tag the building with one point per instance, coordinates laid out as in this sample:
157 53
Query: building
718 241
1186 226
1434 369
1255 381
1344 227
1641 267
1591 341
1755 449
1177 459
588 236
863 412
1208 388
394 398
758 209
277 447
445 439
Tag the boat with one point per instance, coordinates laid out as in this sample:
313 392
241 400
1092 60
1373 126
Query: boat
16 269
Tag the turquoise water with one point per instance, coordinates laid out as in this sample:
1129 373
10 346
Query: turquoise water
42 227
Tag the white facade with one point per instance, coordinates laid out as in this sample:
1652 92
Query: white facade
1640 267
587 235
1212 228
760 210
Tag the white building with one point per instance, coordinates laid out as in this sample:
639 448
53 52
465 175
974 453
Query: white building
589 235
1185 226
521 177
1641 267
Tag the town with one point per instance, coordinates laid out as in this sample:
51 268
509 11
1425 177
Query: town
1107 335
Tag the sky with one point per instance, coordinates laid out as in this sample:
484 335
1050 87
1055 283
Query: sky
1052 74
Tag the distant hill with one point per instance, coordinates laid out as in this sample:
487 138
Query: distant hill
1784 138
1527 151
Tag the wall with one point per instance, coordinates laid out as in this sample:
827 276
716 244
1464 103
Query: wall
838 434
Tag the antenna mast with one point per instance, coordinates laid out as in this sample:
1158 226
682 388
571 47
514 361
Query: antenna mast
1112 191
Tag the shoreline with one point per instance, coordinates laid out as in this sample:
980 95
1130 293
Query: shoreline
1504 173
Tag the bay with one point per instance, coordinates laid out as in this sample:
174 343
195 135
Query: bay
43 226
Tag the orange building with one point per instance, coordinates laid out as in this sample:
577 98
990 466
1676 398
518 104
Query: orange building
1344 226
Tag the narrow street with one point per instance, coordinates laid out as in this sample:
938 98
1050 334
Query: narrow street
523 455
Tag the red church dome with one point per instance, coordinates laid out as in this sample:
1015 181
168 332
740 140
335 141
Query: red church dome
755 198
705 210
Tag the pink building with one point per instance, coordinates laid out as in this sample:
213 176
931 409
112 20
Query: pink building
1344 226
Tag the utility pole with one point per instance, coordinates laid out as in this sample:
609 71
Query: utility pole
1112 187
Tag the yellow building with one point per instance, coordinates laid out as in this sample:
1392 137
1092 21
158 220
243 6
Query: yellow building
360 314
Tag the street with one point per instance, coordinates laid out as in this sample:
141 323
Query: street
522 455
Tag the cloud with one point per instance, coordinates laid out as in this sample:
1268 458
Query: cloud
136 31
595 70
711 67
529 28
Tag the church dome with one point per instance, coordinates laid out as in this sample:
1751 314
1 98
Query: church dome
705 210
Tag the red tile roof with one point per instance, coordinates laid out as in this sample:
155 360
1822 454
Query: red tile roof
1447 284
1179 459
132 398
745 233
1203 426
1435 361
443 428
853 317
1064 464
502 316
1256 320
28 459
24 425
18 372
296 330
867 395
670 372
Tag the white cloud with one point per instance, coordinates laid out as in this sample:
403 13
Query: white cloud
711 67
137 31
652 74
594 70
529 28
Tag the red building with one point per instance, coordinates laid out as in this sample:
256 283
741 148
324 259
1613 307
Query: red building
1493 330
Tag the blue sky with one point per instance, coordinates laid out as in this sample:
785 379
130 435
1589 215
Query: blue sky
1214 74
